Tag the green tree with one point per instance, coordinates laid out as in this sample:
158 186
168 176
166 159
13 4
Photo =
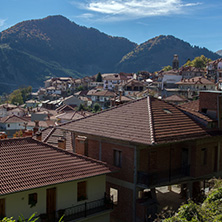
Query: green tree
80 88
96 108
198 62
209 211
99 77
167 68
16 97
26 93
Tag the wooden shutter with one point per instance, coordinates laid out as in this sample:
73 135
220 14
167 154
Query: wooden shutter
82 195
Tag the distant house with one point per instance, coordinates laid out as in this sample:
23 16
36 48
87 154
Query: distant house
175 99
71 115
72 100
168 79
111 80
31 103
12 124
36 177
5 108
190 72
132 86
214 69
196 84
101 97
18 111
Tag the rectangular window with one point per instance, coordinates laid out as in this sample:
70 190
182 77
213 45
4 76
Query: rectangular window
117 158
81 191
32 199
203 156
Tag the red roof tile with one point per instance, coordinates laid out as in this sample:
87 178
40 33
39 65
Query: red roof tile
146 121
27 163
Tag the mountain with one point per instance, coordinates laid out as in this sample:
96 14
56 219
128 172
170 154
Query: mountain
34 50
219 52
158 52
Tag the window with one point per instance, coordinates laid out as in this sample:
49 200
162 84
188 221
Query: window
81 191
118 158
203 156
8 125
114 195
32 199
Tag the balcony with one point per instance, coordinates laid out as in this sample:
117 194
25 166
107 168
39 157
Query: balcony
162 177
80 211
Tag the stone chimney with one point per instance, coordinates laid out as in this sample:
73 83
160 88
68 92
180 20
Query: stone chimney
62 143
36 127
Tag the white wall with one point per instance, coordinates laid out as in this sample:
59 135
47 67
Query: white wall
66 195
171 79
14 126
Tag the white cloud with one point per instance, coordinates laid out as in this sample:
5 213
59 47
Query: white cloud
2 22
131 9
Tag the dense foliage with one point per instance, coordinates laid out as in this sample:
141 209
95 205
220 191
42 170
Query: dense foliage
167 68
198 62
209 211
19 96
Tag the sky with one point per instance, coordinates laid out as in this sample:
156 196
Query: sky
195 21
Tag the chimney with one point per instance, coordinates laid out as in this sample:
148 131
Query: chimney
36 127
39 136
120 96
62 143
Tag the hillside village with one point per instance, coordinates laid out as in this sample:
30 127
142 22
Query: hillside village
112 146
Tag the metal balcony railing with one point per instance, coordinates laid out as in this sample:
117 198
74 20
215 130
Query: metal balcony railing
79 211
150 179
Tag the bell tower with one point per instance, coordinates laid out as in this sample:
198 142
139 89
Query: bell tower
175 65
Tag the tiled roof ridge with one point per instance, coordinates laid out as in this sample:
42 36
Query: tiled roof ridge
106 110
13 115
50 133
150 120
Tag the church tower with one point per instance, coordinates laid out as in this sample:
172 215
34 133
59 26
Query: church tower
175 62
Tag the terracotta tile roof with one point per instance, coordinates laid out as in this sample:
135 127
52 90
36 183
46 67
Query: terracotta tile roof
175 98
133 82
145 121
100 93
194 105
42 123
73 115
197 114
27 163
12 119
113 76
195 80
